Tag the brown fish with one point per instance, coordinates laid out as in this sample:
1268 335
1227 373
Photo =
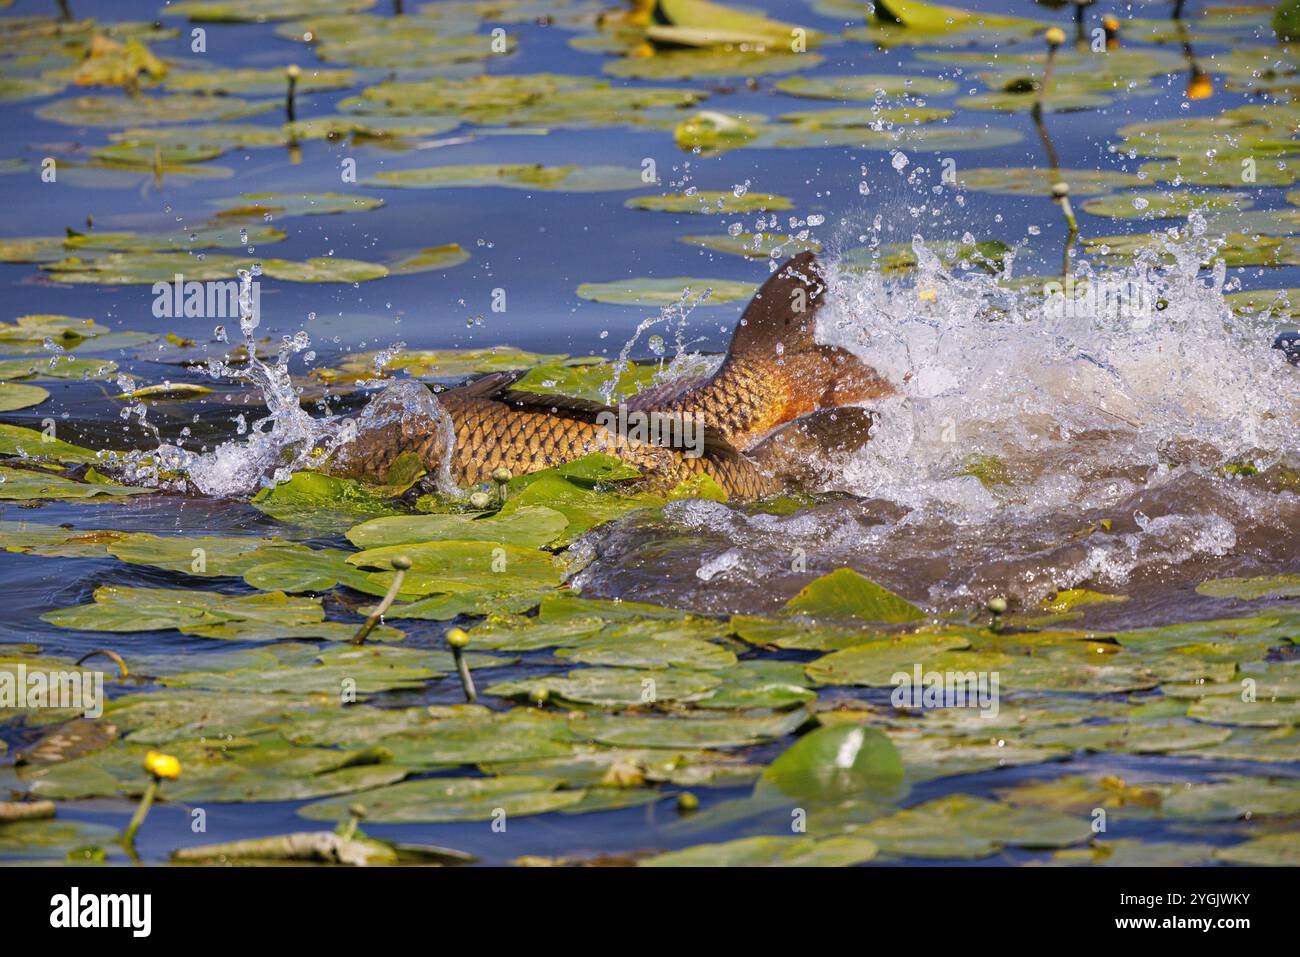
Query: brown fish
773 374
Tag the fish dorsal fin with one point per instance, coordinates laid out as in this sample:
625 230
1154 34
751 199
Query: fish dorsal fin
780 317
551 402
714 442
665 392
490 386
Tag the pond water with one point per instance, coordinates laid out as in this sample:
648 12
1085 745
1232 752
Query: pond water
1093 497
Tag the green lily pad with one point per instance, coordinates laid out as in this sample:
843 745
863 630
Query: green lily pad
1127 852
1232 710
126 609
1280 305
864 87
1163 204
261 11
319 501
1013 181
685 732
451 566
250 81
1251 589
846 594
684 64
16 440
1271 850
530 527
663 292
288 205
535 99
51 840
1132 738
613 687
831 763
874 663
21 484
153 267
429 259
438 800
797 851
219 773
60 367
754 245
651 652
1222 170
961 826
527 176
147 110
761 684
711 203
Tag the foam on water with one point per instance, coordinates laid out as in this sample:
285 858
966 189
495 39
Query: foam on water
288 438
1033 444
1059 394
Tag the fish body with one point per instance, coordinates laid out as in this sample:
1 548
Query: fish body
774 374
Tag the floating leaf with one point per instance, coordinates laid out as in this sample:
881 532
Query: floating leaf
528 176
1163 204
316 500
261 11
754 246
23 484
831 763
429 259
711 62
287 205
147 110
846 594
663 292
1271 850
685 732
1013 181
1251 589
529 527
14 397
257 81
452 799
864 87
710 203
771 852
961 826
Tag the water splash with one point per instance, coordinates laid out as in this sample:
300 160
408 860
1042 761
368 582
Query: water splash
1101 436
1140 366
287 439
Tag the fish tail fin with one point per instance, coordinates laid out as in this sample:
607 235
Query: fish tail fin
779 325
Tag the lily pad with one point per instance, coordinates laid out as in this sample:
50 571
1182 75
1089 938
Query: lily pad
438 800
864 86
799 851
831 763
1013 181
846 594
1252 589
961 826
663 292
531 527
527 176
685 732
711 203
148 110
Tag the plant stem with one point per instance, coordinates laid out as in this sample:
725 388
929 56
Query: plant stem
462 668
369 625
141 812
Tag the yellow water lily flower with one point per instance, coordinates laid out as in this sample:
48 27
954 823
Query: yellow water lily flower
162 765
